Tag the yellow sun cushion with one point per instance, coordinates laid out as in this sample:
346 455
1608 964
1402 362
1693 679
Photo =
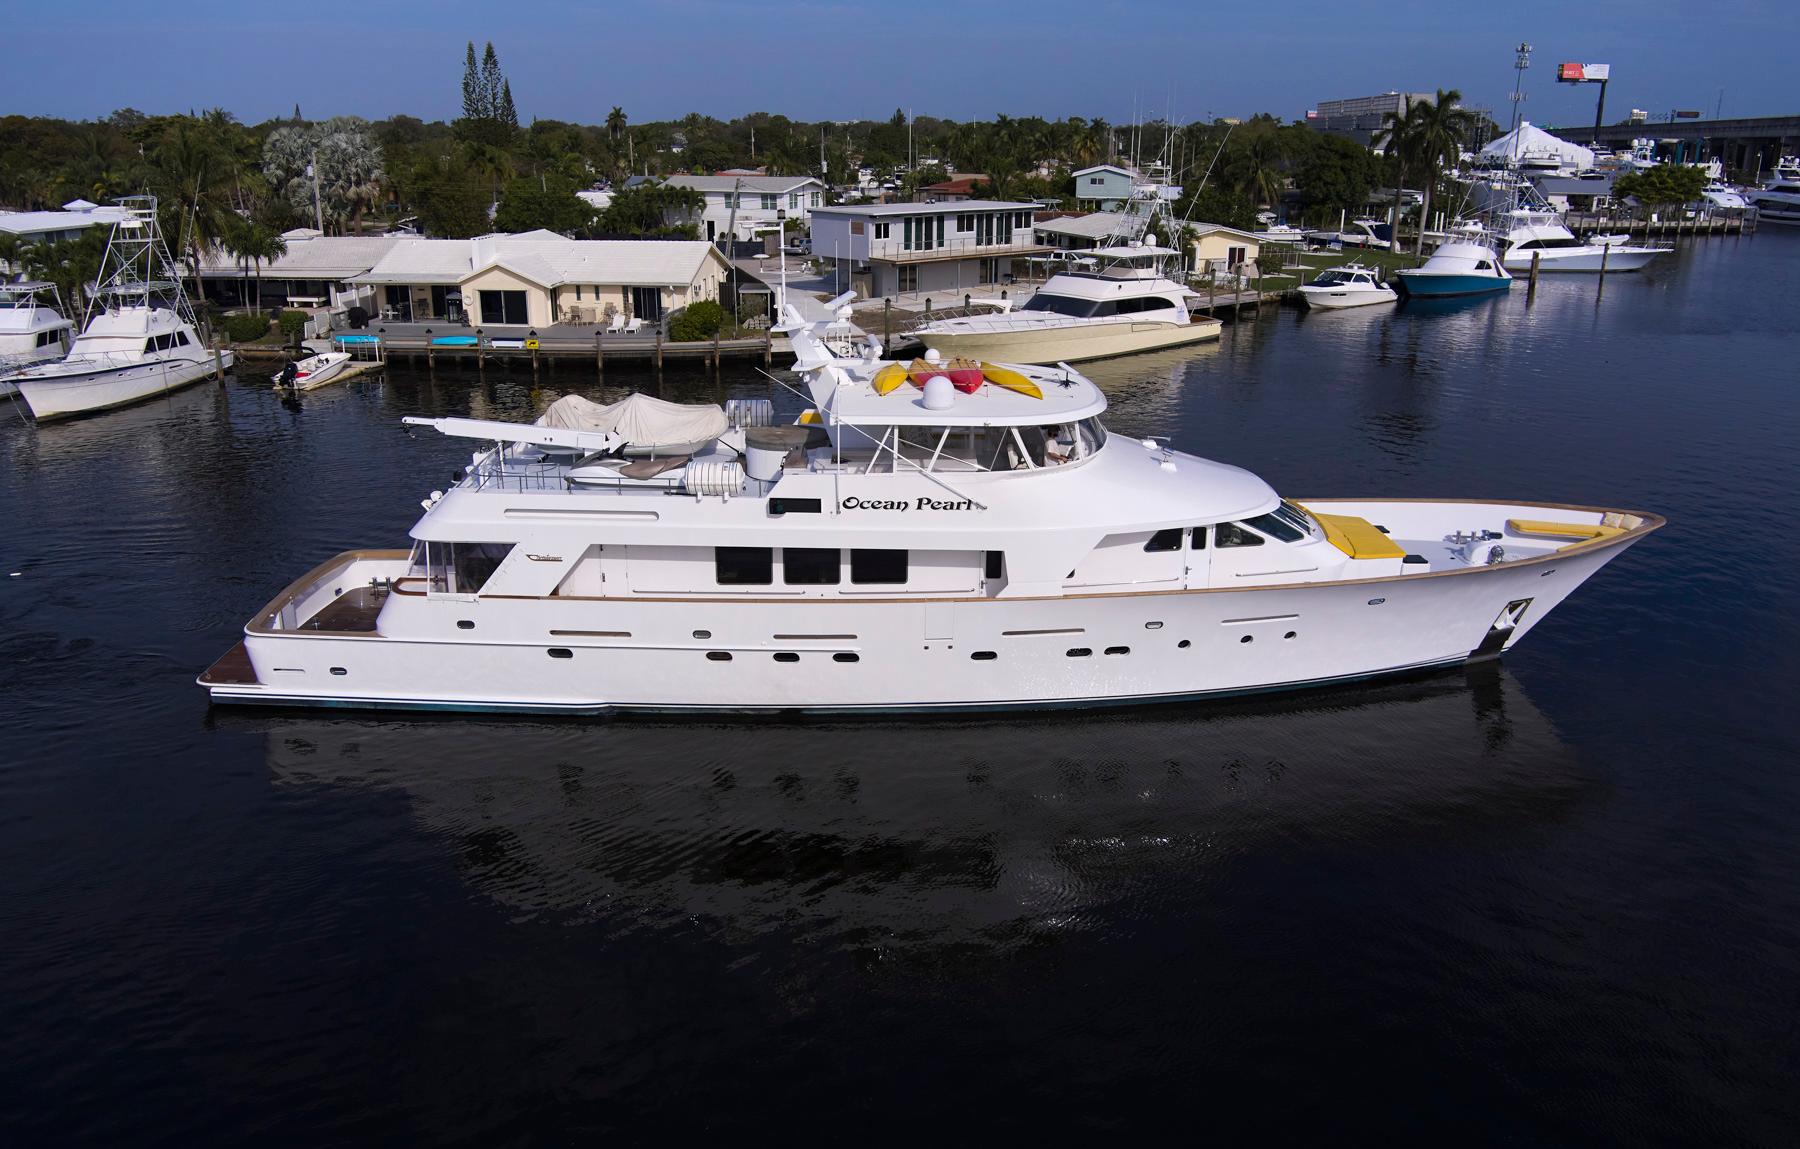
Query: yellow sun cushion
1358 537
1562 530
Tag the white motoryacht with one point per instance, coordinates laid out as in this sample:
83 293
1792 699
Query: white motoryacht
956 546
1352 285
1778 200
1722 195
32 327
139 337
1531 231
1126 304
1357 233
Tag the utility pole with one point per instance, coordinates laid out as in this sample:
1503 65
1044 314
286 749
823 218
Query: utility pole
318 209
1521 61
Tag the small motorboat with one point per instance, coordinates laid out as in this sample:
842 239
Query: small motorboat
1352 285
313 371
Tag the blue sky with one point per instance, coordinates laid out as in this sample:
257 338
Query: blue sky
843 61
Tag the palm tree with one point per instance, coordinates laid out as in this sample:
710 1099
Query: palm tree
1398 137
252 243
1256 168
1437 140
615 123
194 180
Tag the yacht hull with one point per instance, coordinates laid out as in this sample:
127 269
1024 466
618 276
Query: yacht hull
66 394
1037 346
1151 644
1330 299
1617 259
1424 285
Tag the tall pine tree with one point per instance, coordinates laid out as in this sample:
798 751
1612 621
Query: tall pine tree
471 91
509 115
490 84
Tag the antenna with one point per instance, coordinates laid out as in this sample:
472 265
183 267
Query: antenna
1521 61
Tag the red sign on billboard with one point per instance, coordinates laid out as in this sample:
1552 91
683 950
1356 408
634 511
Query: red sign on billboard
1582 73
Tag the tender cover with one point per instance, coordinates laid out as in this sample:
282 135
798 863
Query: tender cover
642 420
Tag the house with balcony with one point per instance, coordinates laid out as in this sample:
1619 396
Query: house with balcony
751 205
899 248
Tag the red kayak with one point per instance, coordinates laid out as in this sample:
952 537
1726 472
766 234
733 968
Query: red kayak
964 374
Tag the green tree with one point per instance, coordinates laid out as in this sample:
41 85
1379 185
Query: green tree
1398 136
250 243
488 115
652 211
1437 140
1664 185
543 201
71 264
450 199
1338 175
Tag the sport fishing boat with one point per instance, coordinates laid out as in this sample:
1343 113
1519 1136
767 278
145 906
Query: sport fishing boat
139 338
1460 267
913 548
1532 232
32 327
1125 305
1352 285
1778 200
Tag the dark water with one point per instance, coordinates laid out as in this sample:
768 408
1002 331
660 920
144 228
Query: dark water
1555 903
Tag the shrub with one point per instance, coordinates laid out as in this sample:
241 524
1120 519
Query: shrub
696 322
292 324
246 328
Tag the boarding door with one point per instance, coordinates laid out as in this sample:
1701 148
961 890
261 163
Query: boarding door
1199 557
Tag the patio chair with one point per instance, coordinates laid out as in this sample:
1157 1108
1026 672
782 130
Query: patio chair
617 325
636 325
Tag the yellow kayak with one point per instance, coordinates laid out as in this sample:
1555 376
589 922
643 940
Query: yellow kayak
1011 380
888 378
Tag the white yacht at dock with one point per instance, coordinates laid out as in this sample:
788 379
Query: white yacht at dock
139 338
1126 304
32 328
913 541
1535 232
1778 200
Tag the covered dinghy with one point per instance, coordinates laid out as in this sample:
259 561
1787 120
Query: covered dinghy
649 426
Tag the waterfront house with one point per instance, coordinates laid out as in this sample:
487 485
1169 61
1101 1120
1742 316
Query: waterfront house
1068 231
75 217
1223 252
752 204
540 278
955 190
1104 187
316 270
894 248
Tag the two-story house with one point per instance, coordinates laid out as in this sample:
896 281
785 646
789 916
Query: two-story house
1104 187
752 205
897 248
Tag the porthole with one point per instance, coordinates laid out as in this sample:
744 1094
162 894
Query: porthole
1183 644
844 656
339 671
1153 626
984 656
1377 601
1548 573
464 624
786 656
719 655
703 634
1289 634
1248 638
1118 650
1079 652
561 652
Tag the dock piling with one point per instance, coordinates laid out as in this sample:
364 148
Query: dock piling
1531 286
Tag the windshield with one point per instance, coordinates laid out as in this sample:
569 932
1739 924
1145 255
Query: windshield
1061 304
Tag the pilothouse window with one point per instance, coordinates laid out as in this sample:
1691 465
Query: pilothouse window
1236 535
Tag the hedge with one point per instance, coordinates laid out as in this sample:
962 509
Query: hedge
696 322
246 328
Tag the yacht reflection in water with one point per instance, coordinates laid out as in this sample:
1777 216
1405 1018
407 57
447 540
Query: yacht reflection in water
946 830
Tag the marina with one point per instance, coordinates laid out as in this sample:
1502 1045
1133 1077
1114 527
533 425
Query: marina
650 599
986 837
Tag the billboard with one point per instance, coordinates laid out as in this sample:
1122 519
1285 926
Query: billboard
1583 73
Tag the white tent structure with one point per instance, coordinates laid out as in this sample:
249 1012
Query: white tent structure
1529 141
